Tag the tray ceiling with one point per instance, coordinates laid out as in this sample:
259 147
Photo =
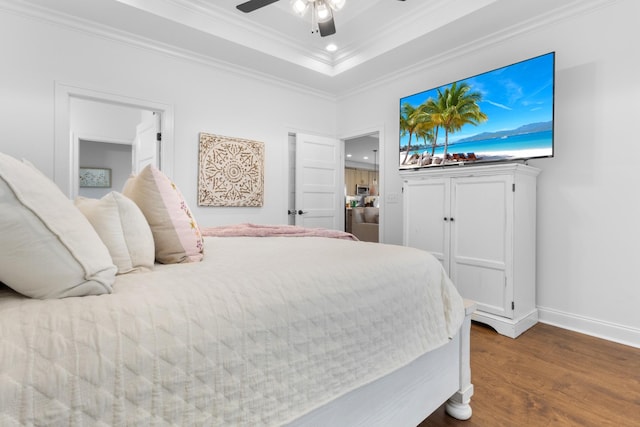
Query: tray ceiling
375 38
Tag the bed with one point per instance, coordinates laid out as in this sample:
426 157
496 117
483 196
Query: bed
298 331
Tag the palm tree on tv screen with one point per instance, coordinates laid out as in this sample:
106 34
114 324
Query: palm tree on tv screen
455 107
407 125
416 121
425 131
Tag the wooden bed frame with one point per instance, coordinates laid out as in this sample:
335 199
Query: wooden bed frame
410 394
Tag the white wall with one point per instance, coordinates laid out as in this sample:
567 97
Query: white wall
36 54
103 121
588 200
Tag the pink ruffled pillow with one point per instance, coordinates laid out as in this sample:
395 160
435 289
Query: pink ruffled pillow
175 232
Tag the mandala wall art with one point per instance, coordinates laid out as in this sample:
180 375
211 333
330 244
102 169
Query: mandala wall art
231 171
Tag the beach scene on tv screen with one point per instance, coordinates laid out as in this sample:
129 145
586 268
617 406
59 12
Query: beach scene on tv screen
504 114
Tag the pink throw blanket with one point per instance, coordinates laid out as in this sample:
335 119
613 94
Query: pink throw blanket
257 230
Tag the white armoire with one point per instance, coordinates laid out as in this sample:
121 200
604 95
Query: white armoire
480 222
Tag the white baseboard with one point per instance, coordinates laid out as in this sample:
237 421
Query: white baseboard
594 327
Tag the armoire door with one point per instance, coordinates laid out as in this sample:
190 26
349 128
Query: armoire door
481 244
426 217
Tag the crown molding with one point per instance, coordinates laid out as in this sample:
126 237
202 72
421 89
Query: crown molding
94 29
568 11
209 18
400 30
226 25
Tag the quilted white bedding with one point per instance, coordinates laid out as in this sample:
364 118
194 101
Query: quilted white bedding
260 332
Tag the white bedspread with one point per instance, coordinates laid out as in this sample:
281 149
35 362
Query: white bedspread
259 333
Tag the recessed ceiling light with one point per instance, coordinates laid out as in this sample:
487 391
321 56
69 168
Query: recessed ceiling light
348 155
331 47
366 158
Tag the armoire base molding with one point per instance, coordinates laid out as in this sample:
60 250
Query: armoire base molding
504 326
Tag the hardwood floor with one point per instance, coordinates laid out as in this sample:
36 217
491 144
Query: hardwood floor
549 377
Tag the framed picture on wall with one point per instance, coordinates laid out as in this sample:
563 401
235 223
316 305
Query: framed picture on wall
95 177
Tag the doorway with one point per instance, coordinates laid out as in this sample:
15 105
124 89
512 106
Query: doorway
362 186
116 138
68 135
332 170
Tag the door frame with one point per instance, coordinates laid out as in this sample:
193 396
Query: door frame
381 168
64 154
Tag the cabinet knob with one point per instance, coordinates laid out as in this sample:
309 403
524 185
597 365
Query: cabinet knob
446 219
451 219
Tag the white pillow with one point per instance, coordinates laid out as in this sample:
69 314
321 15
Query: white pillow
176 234
49 249
123 229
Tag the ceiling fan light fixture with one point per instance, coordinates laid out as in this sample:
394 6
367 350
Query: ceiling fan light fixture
323 11
300 6
336 4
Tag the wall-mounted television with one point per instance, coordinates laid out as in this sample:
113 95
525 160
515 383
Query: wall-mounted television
502 115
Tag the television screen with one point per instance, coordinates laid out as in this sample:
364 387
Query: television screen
501 115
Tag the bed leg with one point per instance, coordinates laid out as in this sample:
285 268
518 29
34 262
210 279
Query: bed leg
458 405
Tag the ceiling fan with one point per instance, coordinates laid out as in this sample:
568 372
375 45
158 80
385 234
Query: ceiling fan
321 12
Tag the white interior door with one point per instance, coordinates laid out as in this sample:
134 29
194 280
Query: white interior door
319 182
145 145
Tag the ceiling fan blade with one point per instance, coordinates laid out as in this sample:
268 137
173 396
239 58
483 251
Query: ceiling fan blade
252 5
327 28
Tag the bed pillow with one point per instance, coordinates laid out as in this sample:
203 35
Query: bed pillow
49 249
175 232
123 229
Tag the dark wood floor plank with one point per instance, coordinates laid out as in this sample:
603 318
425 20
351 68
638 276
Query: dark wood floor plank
549 377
